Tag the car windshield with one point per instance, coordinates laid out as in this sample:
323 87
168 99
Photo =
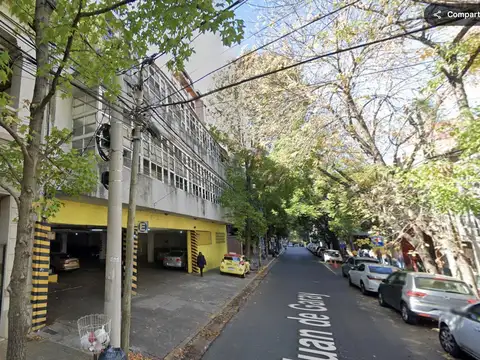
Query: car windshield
442 285
176 253
380 270
332 252
371 261
232 258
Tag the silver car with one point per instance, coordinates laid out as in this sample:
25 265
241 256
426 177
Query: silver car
423 295
175 259
460 331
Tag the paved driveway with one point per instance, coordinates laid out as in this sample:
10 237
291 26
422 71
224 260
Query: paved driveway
170 305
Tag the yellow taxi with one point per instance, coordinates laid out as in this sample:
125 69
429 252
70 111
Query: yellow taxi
235 264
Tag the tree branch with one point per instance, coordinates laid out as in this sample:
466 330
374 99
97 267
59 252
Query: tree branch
10 190
66 56
470 62
463 32
106 9
455 3
15 137
11 168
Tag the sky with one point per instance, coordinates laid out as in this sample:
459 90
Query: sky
210 53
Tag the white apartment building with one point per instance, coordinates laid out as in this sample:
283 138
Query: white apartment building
180 182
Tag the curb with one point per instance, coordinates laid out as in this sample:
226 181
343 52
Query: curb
178 352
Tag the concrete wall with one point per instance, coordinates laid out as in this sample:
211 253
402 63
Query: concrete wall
212 250
170 239
156 195
8 233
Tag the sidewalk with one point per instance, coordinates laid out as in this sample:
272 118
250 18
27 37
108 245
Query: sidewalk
47 350
164 313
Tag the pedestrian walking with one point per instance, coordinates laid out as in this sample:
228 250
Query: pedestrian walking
201 262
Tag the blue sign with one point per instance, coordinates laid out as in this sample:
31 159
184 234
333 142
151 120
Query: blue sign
377 240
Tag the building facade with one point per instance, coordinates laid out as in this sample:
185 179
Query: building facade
181 173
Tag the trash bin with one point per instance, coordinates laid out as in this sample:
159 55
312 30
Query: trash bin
112 354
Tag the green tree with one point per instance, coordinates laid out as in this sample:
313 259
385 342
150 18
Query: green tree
89 42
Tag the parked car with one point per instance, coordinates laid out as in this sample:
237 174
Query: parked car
332 255
423 295
320 252
478 285
460 331
355 261
175 259
369 276
63 262
235 264
161 253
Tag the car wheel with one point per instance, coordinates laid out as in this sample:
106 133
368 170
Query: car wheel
381 301
407 315
448 342
350 281
243 275
362 288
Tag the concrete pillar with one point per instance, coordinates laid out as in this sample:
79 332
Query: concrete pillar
64 240
103 245
8 234
151 247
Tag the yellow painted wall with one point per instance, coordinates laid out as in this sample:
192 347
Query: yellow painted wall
77 213
214 252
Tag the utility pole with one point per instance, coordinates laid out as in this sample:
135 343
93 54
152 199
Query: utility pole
113 266
132 206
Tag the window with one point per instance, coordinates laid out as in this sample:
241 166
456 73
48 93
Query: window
146 167
400 279
361 267
442 285
474 313
350 261
165 176
220 237
380 270
127 158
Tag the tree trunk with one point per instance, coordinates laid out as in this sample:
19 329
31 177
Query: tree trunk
19 317
464 268
418 243
461 98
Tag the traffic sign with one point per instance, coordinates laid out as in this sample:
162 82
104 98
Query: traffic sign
143 227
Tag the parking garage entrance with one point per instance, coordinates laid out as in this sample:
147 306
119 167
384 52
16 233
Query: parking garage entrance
77 256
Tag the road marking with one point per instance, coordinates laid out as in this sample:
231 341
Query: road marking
314 344
328 267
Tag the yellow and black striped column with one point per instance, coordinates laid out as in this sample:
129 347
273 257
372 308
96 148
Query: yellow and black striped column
194 246
40 270
135 258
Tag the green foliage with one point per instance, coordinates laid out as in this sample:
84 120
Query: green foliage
108 41
66 172
241 204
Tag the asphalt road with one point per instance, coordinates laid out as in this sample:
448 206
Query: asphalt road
352 327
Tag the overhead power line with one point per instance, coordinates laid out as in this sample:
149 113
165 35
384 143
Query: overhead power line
288 67
155 56
317 18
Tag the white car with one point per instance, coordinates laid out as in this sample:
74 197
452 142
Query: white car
460 331
332 255
369 276
312 247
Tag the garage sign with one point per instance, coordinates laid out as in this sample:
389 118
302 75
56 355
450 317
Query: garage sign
143 227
